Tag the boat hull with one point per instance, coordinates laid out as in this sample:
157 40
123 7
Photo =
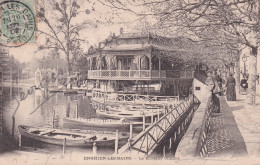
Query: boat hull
70 141
128 116
67 92
99 125
83 124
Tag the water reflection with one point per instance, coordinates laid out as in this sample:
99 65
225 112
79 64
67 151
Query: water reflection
50 114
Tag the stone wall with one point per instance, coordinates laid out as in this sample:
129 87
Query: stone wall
187 147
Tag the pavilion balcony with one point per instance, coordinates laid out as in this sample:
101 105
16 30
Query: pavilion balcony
138 74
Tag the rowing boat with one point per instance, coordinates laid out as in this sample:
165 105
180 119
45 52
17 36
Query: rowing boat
69 91
116 113
74 138
103 124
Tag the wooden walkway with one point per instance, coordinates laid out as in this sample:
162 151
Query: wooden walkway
169 128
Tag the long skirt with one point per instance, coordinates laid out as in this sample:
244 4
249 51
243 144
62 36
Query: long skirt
231 93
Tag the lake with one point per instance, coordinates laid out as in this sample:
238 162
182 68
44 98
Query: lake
38 110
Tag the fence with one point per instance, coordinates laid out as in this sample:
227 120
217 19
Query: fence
134 98
212 106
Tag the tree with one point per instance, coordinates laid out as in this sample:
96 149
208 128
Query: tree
238 20
82 66
61 28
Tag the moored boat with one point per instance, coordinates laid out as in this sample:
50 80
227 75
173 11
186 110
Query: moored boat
74 138
88 93
104 124
70 91
55 89
117 113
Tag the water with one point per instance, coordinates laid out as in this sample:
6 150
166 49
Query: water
30 113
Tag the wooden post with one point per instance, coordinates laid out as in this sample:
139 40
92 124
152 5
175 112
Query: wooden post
131 130
129 145
143 122
150 67
20 140
76 111
64 147
170 143
156 136
94 149
116 143
139 67
152 118
33 144
158 114
163 151
53 119
160 68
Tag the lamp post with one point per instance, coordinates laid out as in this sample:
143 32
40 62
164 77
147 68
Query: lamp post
2 78
244 59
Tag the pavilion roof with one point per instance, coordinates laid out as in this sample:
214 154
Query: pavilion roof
133 35
171 47
126 47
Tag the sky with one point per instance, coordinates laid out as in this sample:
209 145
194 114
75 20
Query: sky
27 52
23 53
93 35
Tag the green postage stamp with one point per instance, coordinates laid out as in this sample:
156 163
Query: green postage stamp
18 22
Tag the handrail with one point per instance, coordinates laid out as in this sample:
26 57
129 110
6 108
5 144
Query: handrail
202 150
151 136
201 145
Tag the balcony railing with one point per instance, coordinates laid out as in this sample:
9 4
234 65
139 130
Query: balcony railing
130 74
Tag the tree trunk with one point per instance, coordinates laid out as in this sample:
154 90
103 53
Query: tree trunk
252 76
224 75
68 62
231 69
237 76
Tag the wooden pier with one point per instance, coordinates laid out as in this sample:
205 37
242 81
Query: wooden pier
164 133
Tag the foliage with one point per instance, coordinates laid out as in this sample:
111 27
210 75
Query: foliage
62 27
222 22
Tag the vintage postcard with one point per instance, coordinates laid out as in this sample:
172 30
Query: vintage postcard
129 81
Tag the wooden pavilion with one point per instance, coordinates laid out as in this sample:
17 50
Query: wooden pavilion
140 63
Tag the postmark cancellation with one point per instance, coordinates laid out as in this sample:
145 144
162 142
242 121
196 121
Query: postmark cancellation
18 22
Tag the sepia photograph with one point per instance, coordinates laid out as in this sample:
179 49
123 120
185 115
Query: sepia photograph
129 82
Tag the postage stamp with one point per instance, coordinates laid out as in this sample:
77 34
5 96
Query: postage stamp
17 23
